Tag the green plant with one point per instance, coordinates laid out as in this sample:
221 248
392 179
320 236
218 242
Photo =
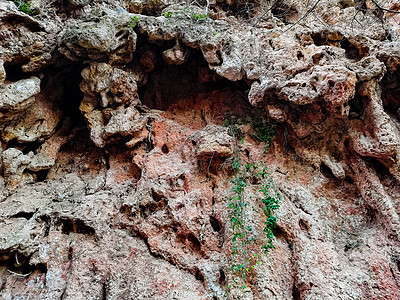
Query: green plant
264 131
251 181
246 242
182 16
134 21
23 6
200 17
233 123
167 14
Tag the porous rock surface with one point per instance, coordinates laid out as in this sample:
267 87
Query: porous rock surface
115 164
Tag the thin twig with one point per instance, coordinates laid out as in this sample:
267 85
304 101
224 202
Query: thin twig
305 15
265 12
384 9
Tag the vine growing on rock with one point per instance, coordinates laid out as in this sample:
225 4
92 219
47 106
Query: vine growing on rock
24 6
251 183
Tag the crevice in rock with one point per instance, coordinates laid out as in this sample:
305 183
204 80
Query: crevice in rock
215 224
304 225
326 171
104 289
69 225
381 170
356 106
336 39
24 147
13 70
390 85
18 263
47 224
23 214
60 84
14 20
295 292
222 277
371 214
199 275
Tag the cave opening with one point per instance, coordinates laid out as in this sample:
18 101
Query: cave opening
174 88
60 84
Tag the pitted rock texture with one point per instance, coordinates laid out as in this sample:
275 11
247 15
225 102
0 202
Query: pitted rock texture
120 122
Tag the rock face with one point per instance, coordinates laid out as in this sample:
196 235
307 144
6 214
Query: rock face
122 123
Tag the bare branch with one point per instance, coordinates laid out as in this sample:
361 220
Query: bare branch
384 9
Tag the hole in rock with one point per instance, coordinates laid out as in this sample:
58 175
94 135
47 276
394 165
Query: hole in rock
157 196
13 70
320 39
164 149
349 180
41 175
19 263
135 171
295 292
326 171
356 106
300 55
352 52
80 156
215 224
222 278
371 214
193 242
346 3
303 225
60 84
390 85
199 275
47 223
23 214
279 233
242 9
336 39
149 208
75 226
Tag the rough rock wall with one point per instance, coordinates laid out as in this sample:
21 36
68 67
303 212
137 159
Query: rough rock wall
115 164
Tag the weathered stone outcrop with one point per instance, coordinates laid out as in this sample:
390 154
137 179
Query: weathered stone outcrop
121 124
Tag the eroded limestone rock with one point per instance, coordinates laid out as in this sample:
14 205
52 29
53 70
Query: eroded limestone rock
133 203
106 36
37 124
18 96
